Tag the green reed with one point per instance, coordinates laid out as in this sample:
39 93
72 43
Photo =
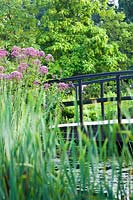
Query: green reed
38 163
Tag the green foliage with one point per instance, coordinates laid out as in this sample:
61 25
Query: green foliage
38 163
84 37
18 23
78 45
127 7
118 31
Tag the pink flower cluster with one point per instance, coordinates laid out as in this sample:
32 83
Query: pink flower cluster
36 82
2 69
49 57
37 62
16 52
29 61
3 53
5 76
30 51
22 67
1 76
43 70
15 75
46 86
26 52
63 86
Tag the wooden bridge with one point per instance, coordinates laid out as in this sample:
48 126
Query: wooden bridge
119 80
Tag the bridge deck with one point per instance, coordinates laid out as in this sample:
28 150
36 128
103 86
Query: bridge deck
96 123
92 128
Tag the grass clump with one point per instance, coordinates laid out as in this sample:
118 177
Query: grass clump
38 163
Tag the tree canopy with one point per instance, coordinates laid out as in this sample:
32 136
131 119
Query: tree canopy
118 31
78 44
127 7
84 36
18 23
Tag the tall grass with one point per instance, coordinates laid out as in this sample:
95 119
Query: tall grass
38 163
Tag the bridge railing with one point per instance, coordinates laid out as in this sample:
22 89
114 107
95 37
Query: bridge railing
101 78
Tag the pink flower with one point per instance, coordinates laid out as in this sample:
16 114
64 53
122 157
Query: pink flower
36 52
30 51
5 76
49 57
15 54
24 52
37 62
41 54
62 86
15 48
3 53
16 51
2 69
36 82
1 76
16 75
22 67
43 70
46 86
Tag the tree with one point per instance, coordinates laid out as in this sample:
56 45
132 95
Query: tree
118 31
18 23
78 45
127 7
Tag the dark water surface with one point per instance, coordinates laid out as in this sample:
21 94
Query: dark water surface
114 181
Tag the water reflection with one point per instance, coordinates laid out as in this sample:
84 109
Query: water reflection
112 180
108 177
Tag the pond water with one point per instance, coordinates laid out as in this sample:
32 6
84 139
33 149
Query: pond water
107 177
112 180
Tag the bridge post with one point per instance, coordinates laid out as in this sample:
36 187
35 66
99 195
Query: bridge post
80 102
118 99
101 96
77 93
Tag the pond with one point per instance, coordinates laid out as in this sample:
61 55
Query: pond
109 178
